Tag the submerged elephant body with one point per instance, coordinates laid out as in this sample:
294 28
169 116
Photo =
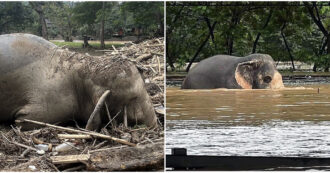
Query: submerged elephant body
256 71
43 82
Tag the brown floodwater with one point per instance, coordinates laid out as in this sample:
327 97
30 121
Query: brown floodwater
294 121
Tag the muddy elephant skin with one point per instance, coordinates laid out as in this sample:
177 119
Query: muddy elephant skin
256 71
42 82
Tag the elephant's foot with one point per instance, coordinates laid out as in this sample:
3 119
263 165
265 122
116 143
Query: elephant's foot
28 112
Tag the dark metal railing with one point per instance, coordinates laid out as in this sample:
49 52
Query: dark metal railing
179 160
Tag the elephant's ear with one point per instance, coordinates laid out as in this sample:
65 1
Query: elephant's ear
245 71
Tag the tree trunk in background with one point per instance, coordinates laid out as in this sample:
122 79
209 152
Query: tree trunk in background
44 26
259 34
85 41
230 44
102 27
37 6
230 39
169 57
328 40
326 69
207 20
161 24
169 31
200 47
287 46
69 29
322 49
71 4
314 67
255 43
316 20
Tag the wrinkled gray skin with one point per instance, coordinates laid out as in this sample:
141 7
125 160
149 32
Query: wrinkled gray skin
256 71
42 82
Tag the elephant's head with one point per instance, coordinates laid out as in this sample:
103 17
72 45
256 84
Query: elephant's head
258 72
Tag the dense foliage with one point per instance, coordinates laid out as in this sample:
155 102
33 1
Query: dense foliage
288 31
67 19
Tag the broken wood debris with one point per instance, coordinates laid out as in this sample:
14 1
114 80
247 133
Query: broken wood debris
70 136
95 134
70 158
82 147
147 56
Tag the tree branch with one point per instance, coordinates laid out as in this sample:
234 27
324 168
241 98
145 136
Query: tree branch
200 48
207 20
259 33
287 46
317 22
317 11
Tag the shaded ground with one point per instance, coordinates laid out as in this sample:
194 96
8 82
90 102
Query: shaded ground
22 150
94 49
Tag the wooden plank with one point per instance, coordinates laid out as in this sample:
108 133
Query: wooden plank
70 158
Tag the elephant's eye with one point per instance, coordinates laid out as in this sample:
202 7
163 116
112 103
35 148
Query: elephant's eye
267 79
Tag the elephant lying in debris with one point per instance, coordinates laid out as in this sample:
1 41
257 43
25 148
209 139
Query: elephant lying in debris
42 82
256 71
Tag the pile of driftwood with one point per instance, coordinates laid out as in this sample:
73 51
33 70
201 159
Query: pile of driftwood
115 148
56 148
148 56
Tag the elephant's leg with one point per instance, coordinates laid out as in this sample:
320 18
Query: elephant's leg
59 109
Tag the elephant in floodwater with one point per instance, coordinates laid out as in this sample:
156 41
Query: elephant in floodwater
42 82
256 71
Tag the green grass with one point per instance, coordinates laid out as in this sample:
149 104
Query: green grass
77 45
68 44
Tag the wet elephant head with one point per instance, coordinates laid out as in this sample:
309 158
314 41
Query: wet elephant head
258 72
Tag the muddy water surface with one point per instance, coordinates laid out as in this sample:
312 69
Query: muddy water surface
290 122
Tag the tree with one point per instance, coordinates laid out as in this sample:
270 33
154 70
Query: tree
85 14
38 7
14 17
259 33
314 12
209 35
102 25
172 19
284 30
60 14
148 16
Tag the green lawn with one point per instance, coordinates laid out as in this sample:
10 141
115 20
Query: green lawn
77 45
